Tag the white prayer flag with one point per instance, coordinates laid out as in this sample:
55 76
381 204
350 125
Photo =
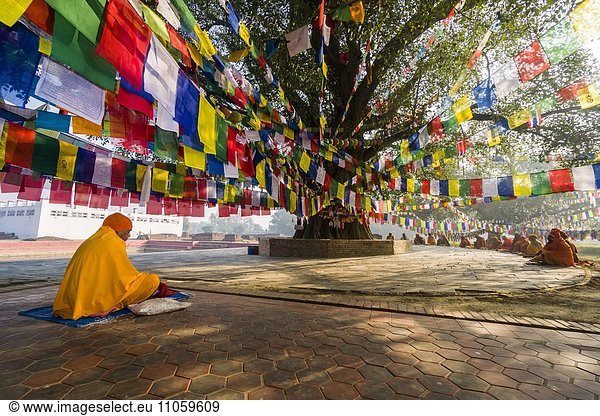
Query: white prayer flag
583 178
102 170
298 40
166 10
506 79
434 187
211 189
490 187
423 137
160 75
320 175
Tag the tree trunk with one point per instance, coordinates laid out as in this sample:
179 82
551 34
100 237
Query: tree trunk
319 228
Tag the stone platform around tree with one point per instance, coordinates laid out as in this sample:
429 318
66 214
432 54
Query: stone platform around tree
311 249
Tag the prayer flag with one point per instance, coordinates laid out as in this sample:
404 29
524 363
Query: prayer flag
156 24
221 141
586 20
505 186
244 33
354 12
588 97
117 174
11 10
165 8
31 189
583 178
82 194
70 91
304 162
519 118
19 57
188 22
570 92
232 18
476 188
160 179
72 49
85 15
462 110
484 95
119 198
464 187
60 192
102 170
19 146
135 99
560 180
207 126
41 15
99 197
531 62
125 41
298 40
540 183
67 158
490 187
453 187
176 185
166 144
194 158
187 104
522 185
45 154
506 79
560 41
82 126
52 121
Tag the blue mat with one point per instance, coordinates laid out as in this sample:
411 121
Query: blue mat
45 314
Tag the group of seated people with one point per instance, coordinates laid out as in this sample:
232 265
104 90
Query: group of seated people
558 250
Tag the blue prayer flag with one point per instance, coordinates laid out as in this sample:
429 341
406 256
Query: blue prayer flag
52 121
186 105
484 95
84 166
505 186
444 187
232 19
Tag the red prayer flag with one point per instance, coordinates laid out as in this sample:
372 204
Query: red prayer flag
190 188
119 201
60 191
170 206
425 186
10 183
134 197
117 178
245 162
31 189
41 15
246 212
247 197
197 209
561 181
255 210
231 146
202 189
178 43
233 209
82 194
184 208
125 41
266 211
223 211
531 62
476 188
135 102
19 145
327 183
153 206
569 93
100 197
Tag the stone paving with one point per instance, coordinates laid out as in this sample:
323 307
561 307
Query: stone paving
237 347
427 270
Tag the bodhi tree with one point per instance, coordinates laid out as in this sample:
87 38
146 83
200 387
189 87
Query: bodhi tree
399 98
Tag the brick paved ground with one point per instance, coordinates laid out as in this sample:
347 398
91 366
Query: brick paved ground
236 347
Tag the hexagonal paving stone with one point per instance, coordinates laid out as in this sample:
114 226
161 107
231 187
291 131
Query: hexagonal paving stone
407 387
259 366
158 371
46 377
438 384
345 375
266 393
497 379
54 392
339 391
375 373
207 384
432 369
280 379
348 360
242 355
91 391
192 370
303 392
459 367
244 382
504 393
570 391
212 357
115 361
86 361
403 370
539 392
320 362
374 390
271 353
226 368
469 382
299 351
402 357
130 388
47 364
12 378
123 373
291 364
226 394
169 387
84 376
313 376
142 349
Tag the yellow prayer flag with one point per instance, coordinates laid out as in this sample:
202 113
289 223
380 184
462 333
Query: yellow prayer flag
293 202
304 162
357 12
324 68
453 187
493 141
588 97
229 194
341 190
12 10
3 134
194 53
238 55
160 179
45 46
194 158
404 150
519 118
522 185
329 156
263 101
462 109
260 174
66 160
289 133
244 33
410 185
439 155
206 46
448 161
83 126
207 126
281 94
140 171
322 121
264 117
368 206
586 20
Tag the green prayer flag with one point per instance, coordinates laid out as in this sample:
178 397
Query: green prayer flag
418 186
72 49
450 125
131 176
464 187
222 131
547 104
540 183
185 15
560 41
451 151
165 143
85 15
45 155
158 26
176 183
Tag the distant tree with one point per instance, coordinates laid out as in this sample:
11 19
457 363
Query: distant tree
282 222
231 225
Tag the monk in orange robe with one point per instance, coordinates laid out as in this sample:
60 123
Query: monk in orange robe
465 243
556 252
506 244
534 246
100 278
480 243
431 240
493 242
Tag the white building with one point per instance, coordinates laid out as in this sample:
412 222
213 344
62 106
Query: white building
29 219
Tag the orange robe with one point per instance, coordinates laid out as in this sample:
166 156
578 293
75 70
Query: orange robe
480 243
558 252
431 240
100 279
